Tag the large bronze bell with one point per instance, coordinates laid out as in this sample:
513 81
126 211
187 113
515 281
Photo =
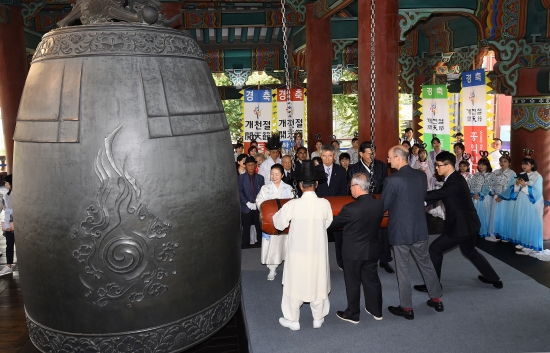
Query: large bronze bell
126 209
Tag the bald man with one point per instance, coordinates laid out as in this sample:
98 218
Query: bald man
403 196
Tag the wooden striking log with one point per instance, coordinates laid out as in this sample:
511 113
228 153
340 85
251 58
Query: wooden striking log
269 208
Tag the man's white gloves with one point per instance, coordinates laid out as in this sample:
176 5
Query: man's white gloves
251 205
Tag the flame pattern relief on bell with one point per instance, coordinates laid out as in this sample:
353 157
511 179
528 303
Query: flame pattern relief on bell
122 253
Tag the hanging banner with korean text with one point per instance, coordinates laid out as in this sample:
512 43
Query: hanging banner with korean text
257 114
288 127
436 119
474 100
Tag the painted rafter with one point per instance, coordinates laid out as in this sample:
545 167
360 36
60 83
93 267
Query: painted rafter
326 8
339 44
215 19
408 20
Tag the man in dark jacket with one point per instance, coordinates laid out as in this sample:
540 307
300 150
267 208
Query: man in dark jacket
403 197
377 171
461 223
361 222
336 182
250 184
334 185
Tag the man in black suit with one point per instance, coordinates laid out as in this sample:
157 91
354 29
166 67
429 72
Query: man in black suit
334 185
461 223
361 222
301 153
250 184
403 196
336 182
377 171
288 174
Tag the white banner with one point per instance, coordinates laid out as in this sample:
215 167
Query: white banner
258 110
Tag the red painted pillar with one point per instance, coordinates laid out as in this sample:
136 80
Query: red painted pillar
386 73
319 78
539 141
13 73
527 105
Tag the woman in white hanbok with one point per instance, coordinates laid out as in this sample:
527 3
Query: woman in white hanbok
274 246
480 190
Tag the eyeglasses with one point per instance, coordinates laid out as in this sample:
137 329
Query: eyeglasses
352 185
441 165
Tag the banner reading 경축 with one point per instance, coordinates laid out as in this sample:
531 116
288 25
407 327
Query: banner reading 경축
435 116
474 104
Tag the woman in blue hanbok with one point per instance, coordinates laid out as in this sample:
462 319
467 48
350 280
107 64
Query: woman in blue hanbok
502 185
527 232
480 191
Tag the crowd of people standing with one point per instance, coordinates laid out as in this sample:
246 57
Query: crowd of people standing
509 204
447 185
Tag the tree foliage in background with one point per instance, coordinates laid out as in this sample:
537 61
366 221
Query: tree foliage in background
345 112
262 78
405 113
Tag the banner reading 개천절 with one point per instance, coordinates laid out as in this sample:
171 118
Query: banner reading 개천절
435 118
257 113
286 126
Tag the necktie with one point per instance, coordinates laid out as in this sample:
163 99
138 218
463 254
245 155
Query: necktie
328 175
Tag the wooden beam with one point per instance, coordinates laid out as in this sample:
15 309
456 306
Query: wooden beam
323 10
239 45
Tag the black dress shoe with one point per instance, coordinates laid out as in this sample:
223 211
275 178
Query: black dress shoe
386 266
423 288
437 306
398 311
497 285
342 316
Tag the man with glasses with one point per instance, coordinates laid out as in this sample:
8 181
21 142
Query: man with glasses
403 196
361 221
461 224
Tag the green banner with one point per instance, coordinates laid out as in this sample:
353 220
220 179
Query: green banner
434 91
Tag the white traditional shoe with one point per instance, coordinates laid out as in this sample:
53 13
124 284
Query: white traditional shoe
504 241
375 317
271 275
519 247
492 238
318 323
293 325
6 270
525 251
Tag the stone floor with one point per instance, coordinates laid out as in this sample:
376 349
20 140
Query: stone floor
14 337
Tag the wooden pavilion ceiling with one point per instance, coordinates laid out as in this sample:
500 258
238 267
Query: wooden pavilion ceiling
237 34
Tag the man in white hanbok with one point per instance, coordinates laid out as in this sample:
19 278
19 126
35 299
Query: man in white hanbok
306 276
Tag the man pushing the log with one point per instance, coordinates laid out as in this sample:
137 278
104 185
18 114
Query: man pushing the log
306 276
